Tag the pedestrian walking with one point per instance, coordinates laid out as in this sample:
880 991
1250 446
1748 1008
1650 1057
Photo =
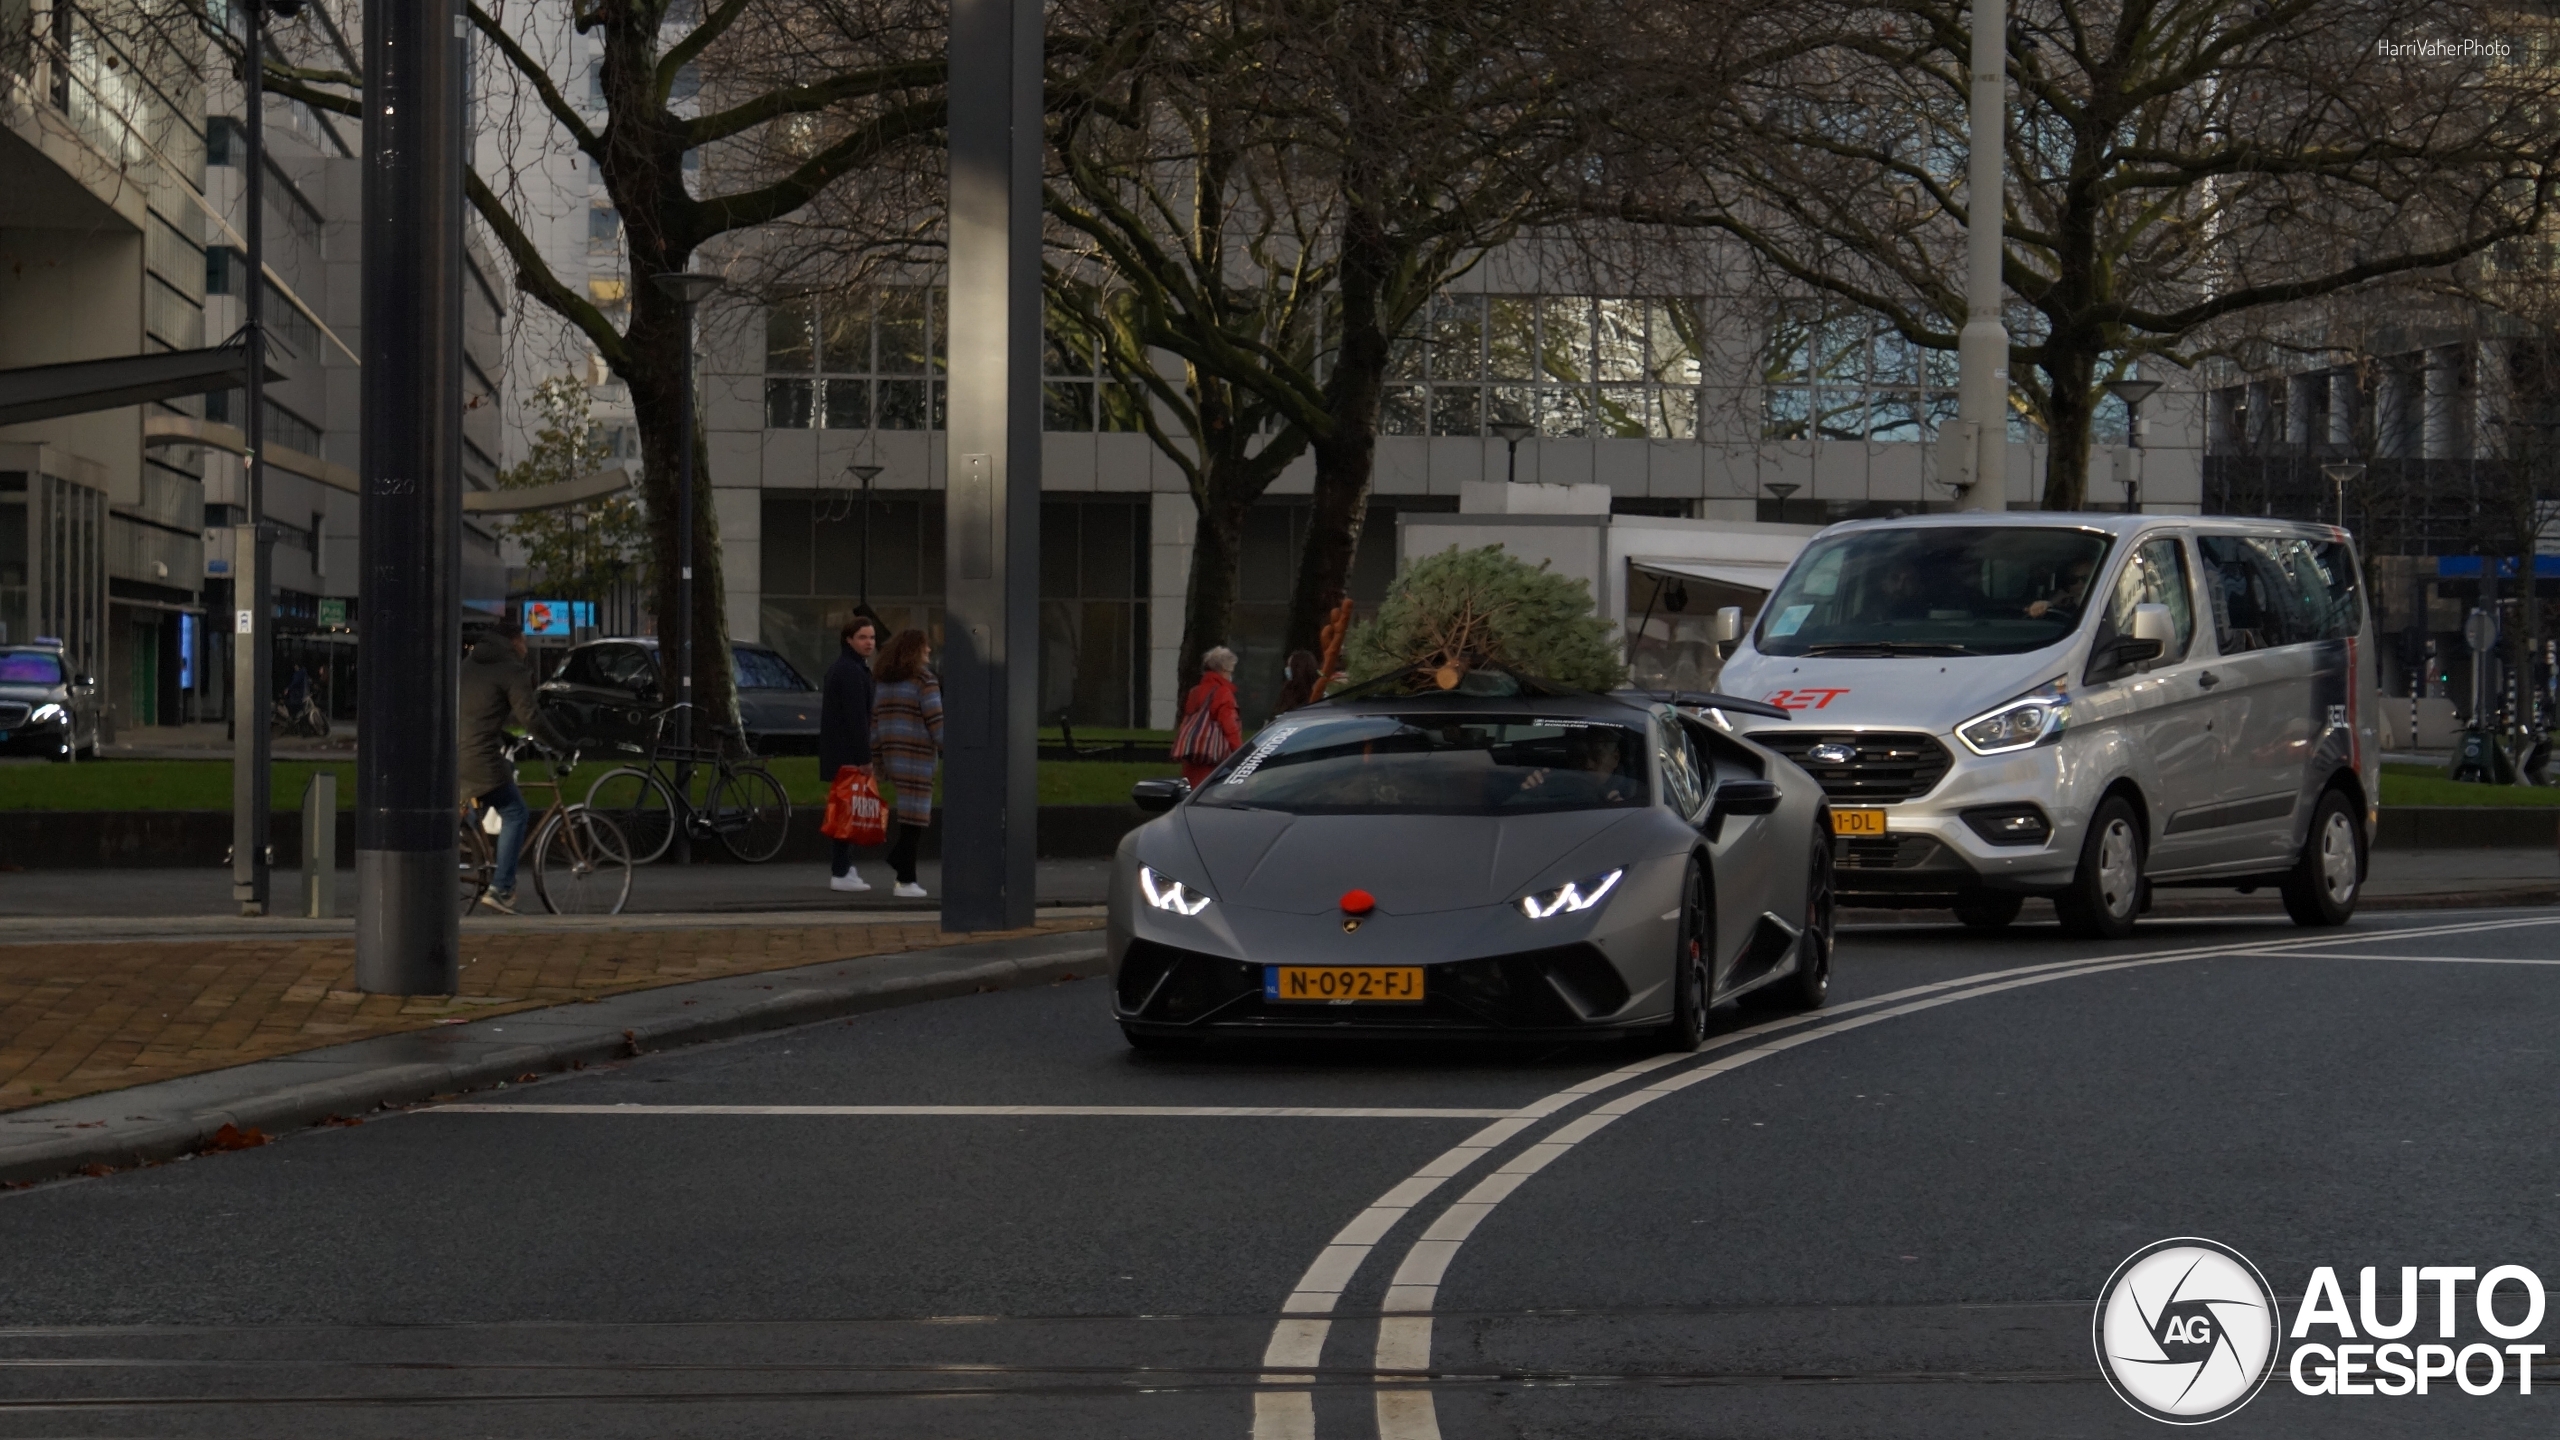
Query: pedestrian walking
844 730
1299 686
497 690
906 735
1209 732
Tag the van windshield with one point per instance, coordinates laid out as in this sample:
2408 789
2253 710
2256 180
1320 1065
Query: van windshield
1987 590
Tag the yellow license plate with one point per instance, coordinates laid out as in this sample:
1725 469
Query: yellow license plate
1343 984
1857 822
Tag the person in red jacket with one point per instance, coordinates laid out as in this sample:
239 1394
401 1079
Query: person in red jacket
1200 747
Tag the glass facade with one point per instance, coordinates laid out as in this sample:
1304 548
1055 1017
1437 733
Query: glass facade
1570 365
1093 587
867 360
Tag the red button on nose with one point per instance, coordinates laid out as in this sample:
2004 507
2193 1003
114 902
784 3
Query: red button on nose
1358 902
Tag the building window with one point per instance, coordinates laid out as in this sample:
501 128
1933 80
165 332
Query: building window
868 360
223 267
1571 365
1827 375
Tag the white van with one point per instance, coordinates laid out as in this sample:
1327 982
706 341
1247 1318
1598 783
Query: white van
2078 705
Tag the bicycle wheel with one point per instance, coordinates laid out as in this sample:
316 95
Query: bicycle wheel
750 814
581 864
471 859
639 805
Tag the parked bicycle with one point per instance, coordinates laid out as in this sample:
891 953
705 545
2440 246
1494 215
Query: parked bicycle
581 862
741 804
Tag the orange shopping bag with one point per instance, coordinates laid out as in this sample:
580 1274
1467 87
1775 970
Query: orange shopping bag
854 811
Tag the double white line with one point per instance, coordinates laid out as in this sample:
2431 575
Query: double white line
1285 1410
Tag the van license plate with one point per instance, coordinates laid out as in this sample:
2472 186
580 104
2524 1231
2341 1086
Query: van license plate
1857 822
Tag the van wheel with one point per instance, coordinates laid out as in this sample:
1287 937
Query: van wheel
2106 893
1988 909
2321 887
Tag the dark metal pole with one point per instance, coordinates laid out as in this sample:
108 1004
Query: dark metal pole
992 532
864 584
253 588
682 668
407 918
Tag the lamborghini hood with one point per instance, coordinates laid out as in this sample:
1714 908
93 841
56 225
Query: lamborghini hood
1412 864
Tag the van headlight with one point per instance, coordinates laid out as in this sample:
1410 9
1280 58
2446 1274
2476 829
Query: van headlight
47 714
2027 721
1166 893
1568 898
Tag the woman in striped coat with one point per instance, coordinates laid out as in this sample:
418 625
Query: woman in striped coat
906 740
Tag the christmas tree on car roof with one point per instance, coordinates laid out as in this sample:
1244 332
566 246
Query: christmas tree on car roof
1459 613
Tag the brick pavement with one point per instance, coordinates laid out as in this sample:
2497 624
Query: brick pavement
76 1019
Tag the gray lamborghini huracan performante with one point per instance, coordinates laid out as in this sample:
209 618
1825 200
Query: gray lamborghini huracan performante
1501 859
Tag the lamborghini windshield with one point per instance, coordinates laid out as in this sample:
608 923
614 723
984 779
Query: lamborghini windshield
1433 765
1934 590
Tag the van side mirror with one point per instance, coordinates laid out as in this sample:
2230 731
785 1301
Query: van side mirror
1157 796
1728 627
2153 622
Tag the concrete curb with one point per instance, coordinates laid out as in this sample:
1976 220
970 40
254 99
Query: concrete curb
170 1118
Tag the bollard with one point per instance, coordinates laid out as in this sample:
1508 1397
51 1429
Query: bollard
320 845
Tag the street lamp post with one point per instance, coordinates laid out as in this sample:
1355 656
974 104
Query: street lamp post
1782 489
252 585
2132 393
866 474
690 289
1512 433
2342 473
1982 347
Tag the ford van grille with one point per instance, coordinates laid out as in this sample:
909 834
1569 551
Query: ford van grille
1864 768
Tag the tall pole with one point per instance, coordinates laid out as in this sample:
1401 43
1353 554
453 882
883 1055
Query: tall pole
1982 350
252 588
992 530
407 916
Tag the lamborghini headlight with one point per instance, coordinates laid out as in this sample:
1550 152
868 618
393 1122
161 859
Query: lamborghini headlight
1567 899
2025 722
1166 893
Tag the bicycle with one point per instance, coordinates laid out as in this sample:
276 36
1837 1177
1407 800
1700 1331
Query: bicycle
306 719
581 862
743 806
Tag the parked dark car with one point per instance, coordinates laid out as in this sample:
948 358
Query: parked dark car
606 694
46 707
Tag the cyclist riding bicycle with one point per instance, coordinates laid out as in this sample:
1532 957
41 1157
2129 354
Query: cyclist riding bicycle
497 690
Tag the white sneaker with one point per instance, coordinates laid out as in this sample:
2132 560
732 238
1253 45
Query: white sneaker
908 890
850 881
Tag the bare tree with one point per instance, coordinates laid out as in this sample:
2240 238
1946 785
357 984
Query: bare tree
718 117
1182 230
2173 164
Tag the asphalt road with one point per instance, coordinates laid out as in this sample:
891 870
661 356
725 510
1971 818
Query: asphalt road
1892 1221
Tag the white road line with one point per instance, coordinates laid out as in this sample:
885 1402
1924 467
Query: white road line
1140 1112
2404 959
1404 1341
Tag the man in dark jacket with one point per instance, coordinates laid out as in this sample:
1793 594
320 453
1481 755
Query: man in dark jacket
497 691
844 729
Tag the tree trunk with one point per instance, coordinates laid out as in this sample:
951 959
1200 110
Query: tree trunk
1345 459
655 373
2068 373
1209 603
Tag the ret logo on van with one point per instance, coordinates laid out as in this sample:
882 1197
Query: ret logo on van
2186 1331
1812 697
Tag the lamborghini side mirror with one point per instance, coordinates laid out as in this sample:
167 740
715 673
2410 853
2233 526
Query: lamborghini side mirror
1157 796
